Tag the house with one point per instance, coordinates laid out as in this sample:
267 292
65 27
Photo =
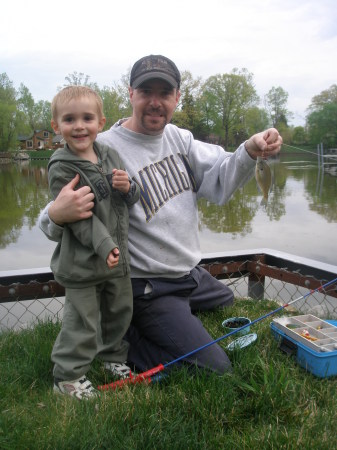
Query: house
38 140
58 141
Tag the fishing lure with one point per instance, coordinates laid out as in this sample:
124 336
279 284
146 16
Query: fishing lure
306 335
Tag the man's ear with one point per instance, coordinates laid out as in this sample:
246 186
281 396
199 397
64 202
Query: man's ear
55 126
178 94
130 94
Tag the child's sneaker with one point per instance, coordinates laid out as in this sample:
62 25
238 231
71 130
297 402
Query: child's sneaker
81 388
118 370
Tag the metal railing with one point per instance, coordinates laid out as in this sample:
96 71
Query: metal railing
29 296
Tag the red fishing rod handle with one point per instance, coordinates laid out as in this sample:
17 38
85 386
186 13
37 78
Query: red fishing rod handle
144 377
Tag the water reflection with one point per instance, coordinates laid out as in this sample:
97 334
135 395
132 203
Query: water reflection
320 187
237 215
301 210
24 191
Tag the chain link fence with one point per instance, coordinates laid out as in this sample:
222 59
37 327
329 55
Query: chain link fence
28 298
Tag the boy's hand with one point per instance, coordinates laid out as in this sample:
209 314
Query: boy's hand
113 258
120 181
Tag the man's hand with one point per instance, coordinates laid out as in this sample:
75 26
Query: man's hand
113 258
71 205
267 143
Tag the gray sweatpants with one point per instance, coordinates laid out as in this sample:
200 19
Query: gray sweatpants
95 320
164 327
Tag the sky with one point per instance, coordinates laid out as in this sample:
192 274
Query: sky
284 43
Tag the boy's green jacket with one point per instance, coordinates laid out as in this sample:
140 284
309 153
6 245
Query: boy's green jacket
79 260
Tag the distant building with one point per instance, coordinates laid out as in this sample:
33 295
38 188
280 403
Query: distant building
58 141
38 140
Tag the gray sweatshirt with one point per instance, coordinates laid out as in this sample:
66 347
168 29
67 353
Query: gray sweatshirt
173 171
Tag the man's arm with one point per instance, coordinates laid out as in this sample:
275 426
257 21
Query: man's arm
71 205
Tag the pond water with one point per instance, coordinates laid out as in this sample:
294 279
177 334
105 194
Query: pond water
300 217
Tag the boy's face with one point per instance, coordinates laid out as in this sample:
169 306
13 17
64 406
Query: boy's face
78 122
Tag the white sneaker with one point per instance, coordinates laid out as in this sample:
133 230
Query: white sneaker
118 370
81 389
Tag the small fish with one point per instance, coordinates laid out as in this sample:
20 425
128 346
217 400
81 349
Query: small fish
263 177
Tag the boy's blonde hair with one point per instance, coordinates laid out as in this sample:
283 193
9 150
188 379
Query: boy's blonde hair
74 92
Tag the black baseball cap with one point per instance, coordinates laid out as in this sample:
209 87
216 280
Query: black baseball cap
154 66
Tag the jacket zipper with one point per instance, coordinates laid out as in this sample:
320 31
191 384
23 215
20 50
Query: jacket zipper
119 239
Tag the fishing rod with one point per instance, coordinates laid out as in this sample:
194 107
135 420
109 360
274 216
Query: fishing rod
145 377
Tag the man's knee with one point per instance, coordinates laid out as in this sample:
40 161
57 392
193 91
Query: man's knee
227 297
210 293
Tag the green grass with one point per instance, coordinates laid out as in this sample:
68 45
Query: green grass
36 154
268 402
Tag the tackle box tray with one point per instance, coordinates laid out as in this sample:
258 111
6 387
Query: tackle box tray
312 340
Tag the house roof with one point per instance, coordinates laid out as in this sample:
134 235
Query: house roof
57 139
26 137
22 137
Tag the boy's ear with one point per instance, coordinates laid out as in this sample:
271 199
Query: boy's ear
55 126
101 123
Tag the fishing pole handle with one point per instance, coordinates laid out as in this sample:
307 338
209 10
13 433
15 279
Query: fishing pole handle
144 377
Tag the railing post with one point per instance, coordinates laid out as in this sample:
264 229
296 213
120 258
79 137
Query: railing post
256 286
256 282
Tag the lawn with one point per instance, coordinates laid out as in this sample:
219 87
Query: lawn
268 402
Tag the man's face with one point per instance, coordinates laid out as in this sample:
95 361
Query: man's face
153 104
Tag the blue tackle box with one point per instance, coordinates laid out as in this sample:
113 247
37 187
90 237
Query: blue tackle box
312 340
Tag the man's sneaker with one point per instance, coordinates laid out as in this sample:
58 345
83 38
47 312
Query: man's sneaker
81 389
118 370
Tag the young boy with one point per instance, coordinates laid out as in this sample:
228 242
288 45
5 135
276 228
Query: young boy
92 260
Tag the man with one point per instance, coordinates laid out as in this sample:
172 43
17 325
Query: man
173 171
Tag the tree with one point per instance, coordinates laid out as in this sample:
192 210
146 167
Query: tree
25 103
322 117
114 105
188 114
189 86
256 120
76 79
42 115
37 115
123 91
276 105
325 97
228 97
299 136
12 120
323 125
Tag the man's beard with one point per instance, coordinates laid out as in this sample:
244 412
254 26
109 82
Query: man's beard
152 126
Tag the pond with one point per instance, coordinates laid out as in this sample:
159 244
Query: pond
300 217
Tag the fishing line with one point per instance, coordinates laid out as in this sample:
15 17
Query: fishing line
301 149
307 151
145 377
